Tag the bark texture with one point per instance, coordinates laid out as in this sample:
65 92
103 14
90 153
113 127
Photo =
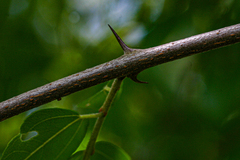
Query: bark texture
127 65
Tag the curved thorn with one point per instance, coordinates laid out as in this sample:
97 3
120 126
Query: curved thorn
134 78
125 48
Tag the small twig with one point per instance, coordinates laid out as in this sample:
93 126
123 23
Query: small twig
104 110
92 115
128 64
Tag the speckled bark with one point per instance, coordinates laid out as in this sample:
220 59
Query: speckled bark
126 65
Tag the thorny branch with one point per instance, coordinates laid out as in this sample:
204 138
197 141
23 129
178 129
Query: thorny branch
127 65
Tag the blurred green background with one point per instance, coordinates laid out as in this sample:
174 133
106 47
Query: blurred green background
189 110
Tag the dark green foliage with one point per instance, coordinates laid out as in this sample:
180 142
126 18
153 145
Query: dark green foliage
189 109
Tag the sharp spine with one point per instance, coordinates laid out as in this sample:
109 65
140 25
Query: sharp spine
125 48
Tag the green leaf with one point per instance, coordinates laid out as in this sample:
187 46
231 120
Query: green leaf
77 156
47 134
104 151
93 103
109 151
97 99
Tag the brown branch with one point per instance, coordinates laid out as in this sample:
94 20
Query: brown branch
126 65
